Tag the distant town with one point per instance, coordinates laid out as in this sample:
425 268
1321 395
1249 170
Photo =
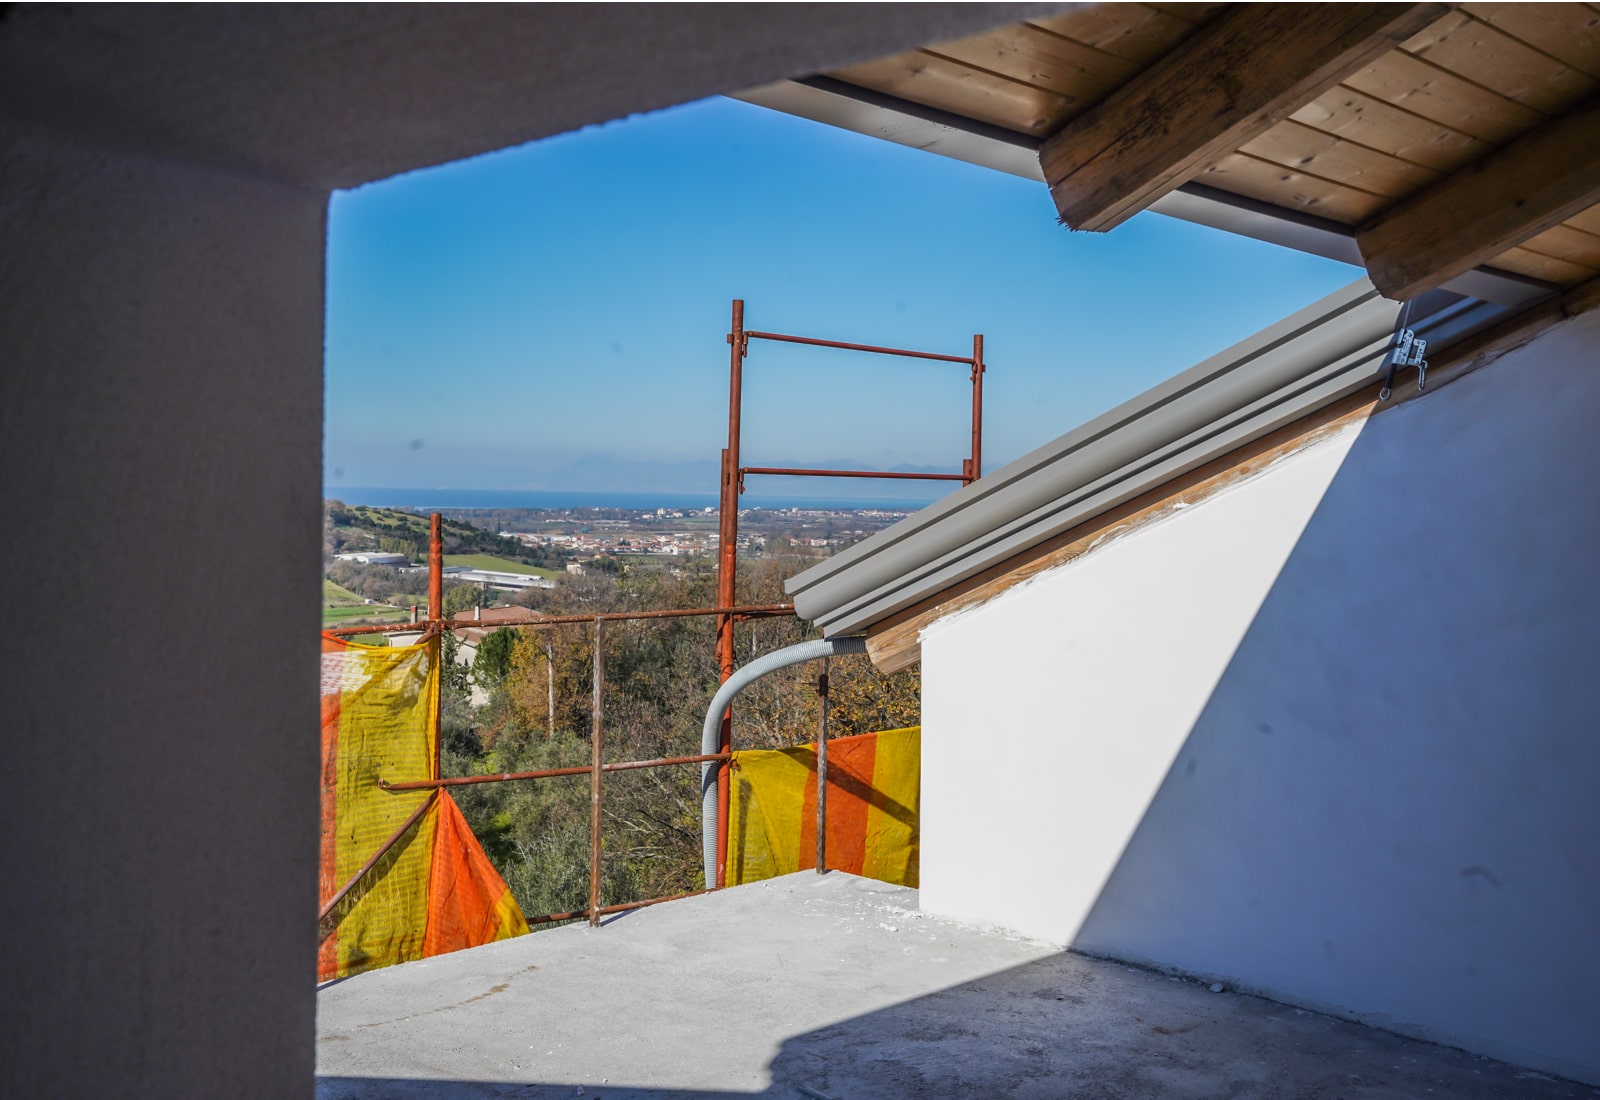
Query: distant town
375 558
587 532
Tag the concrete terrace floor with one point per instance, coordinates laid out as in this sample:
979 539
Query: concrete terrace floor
835 987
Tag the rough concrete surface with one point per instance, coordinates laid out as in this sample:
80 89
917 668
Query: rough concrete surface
836 987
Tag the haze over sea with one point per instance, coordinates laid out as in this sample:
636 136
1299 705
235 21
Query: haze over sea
643 500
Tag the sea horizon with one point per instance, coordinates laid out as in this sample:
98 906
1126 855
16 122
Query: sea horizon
630 500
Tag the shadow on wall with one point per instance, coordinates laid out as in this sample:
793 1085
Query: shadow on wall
1062 1026
1389 797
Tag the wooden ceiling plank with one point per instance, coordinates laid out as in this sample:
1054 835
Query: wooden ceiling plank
1521 261
1134 32
1586 220
1476 51
1563 242
1533 184
1258 179
960 89
1043 60
1426 90
1303 148
1237 77
1359 117
1568 32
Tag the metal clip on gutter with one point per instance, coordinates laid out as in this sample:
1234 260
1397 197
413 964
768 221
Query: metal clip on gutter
1408 352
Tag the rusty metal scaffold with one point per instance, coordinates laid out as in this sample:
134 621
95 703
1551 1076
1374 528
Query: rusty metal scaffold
727 613
733 476
437 624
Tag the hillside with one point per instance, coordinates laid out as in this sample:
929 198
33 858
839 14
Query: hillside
352 528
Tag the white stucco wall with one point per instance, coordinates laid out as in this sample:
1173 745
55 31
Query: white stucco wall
1330 735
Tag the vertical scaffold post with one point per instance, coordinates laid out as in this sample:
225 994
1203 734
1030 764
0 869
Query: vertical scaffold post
550 686
435 569
436 623
975 470
727 563
822 769
596 746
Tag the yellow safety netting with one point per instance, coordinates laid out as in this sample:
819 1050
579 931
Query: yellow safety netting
434 890
874 788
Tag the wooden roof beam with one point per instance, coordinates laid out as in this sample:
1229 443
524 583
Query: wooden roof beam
1466 219
1238 76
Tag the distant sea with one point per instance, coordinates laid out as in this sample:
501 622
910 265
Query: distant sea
424 500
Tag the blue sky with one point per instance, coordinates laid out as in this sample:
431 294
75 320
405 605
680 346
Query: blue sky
553 316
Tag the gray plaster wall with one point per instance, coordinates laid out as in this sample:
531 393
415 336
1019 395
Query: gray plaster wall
160 433
1329 736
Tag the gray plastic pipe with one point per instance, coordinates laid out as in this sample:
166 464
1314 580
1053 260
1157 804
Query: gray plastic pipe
710 733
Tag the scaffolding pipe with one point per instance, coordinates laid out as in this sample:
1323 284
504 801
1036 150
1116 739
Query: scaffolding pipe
907 352
975 463
822 769
728 560
710 732
436 626
732 486
754 611
881 474
383 850
596 745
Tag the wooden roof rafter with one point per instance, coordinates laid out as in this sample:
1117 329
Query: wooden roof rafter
1239 76
1516 193
1260 155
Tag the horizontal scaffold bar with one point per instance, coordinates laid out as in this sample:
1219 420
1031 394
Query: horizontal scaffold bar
549 773
781 338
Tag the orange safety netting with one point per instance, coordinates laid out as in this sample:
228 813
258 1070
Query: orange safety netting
874 788
434 891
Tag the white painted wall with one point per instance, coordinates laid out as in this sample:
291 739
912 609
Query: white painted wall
1333 735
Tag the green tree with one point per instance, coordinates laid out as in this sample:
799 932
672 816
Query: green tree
462 597
458 732
493 662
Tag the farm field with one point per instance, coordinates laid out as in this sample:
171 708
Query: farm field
344 616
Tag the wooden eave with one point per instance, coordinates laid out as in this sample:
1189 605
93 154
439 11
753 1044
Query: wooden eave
1382 139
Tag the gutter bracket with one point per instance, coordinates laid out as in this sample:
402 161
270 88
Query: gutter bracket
1408 352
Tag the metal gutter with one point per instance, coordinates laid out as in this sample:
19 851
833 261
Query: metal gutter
904 122
1312 358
